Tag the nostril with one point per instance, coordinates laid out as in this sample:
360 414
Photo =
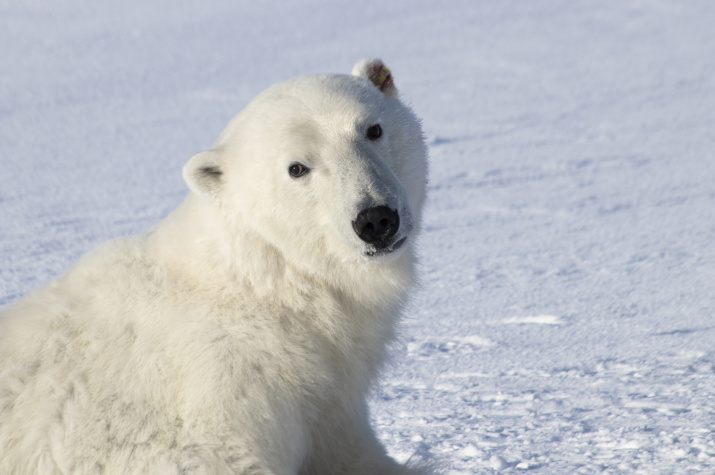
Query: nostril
377 226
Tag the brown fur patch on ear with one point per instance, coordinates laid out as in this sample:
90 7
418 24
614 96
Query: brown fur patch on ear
381 77
378 74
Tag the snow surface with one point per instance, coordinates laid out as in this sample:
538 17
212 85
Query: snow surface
565 322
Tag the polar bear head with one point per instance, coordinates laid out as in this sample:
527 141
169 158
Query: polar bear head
321 167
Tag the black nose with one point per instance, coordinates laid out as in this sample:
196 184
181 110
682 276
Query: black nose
377 225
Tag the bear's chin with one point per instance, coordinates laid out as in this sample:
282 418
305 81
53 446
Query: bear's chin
387 254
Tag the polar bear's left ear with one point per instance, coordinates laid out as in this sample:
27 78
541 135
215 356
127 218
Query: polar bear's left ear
203 173
376 71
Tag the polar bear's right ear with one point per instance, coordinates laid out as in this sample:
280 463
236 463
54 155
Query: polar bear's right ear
203 173
377 73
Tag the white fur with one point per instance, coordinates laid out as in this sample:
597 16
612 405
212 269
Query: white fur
242 333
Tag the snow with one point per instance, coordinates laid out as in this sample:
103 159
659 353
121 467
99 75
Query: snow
565 319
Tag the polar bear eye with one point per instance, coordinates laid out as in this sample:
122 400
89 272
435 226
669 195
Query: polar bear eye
297 170
374 132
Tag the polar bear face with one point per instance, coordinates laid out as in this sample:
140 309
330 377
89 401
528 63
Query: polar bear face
321 166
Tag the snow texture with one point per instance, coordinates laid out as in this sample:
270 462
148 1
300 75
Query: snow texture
565 320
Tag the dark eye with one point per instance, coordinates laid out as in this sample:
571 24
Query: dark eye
374 132
297 170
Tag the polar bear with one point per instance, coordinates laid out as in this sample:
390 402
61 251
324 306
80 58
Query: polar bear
242 333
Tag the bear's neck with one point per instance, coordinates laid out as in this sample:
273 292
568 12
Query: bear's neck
196 244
